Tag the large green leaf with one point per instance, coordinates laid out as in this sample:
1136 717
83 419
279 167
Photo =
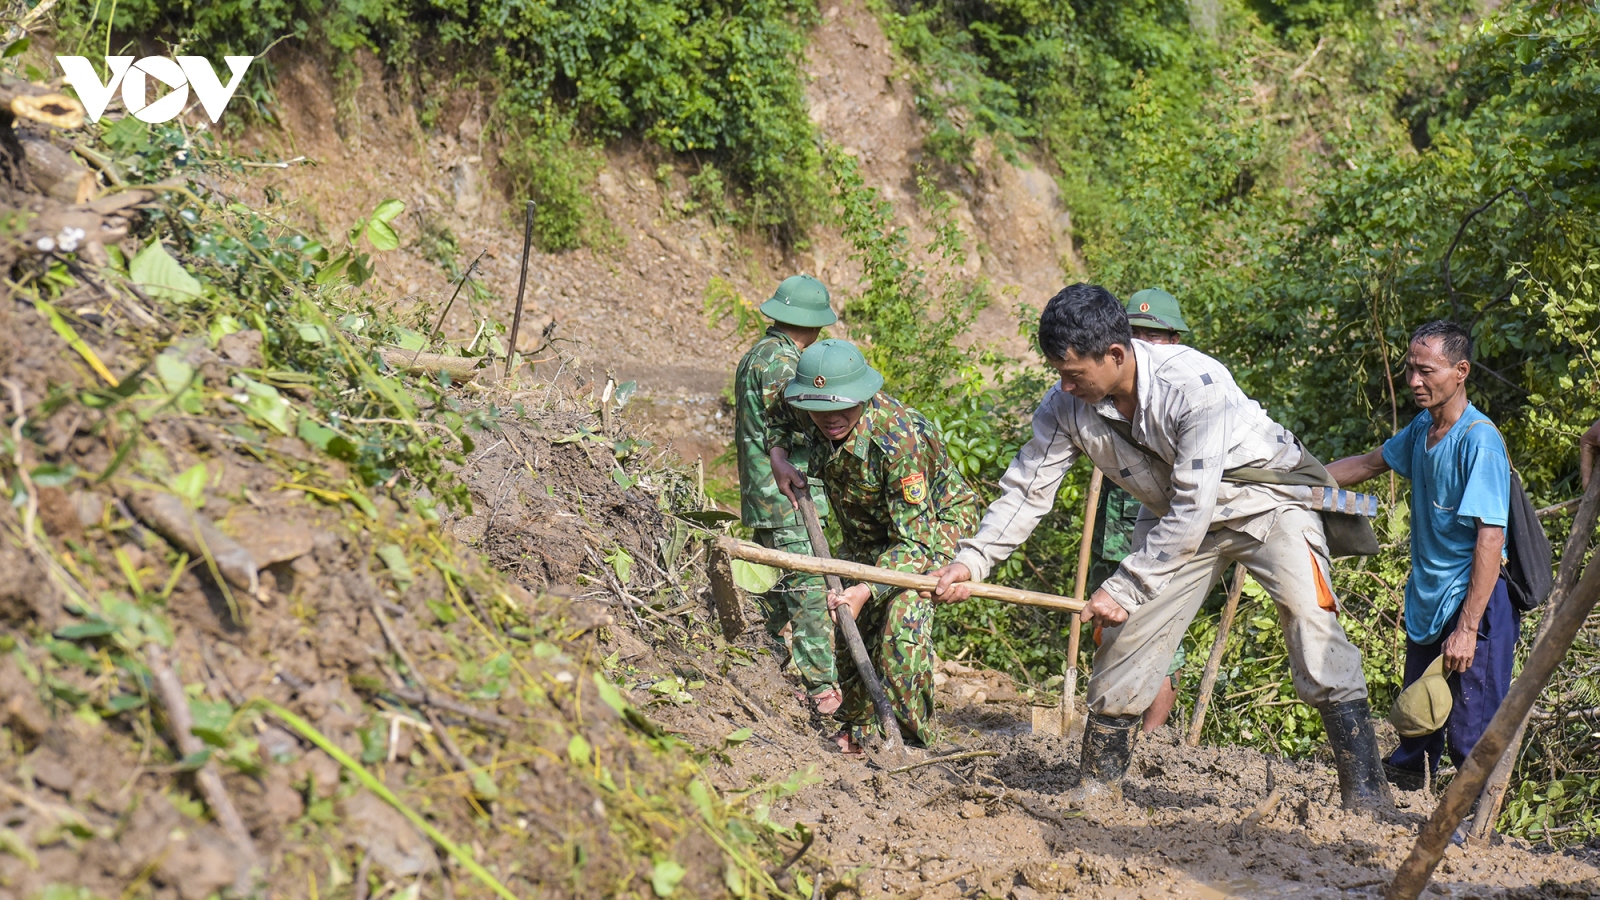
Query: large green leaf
160 276
754 577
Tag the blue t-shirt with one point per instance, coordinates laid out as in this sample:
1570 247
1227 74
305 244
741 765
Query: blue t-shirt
1463 478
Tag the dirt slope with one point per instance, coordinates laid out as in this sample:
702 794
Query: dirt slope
636 310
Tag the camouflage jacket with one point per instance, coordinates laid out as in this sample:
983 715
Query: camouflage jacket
1113 528
759 418
899 500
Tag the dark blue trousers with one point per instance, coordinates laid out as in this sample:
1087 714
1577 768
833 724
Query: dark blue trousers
1477 692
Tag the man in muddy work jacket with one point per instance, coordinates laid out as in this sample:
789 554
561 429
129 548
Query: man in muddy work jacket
900 503
799 310
1165 423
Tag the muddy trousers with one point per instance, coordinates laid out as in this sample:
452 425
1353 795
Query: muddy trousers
898 634
1292 564
800 600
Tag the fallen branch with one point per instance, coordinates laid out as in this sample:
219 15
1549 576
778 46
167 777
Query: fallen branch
405 361
169 690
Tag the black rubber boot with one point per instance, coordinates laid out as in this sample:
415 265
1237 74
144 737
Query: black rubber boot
1362 784
1107 747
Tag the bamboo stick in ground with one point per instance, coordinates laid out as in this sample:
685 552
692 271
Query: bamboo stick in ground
1069 687
1208 679
797 562
1565 622
1494 792
847 625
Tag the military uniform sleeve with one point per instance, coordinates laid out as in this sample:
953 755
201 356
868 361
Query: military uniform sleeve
1201 443
1027 491
907 508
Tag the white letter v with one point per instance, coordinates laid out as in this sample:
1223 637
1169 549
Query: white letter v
213 96
81 75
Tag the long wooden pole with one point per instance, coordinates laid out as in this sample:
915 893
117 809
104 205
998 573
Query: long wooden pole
1552 647
798 562
1494 792
1069 690
522 287
1208 679
852 635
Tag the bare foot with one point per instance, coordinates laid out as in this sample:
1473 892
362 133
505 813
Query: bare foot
847 744
828 701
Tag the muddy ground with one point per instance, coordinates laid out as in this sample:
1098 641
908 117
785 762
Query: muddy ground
995 827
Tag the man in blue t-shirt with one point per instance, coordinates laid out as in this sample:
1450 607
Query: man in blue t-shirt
1456 602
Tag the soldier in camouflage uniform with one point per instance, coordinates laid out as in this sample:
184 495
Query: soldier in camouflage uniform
1155 318
900 503
799 310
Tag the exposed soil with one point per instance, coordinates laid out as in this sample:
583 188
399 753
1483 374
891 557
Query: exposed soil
995 826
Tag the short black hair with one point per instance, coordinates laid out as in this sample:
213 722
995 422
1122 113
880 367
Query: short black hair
1083 318
1455 341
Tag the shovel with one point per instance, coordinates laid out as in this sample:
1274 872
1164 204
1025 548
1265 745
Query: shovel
893 751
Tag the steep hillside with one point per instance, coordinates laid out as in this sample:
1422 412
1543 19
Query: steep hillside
635 308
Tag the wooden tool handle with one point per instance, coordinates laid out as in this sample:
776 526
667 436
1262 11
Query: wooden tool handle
873 575
847 624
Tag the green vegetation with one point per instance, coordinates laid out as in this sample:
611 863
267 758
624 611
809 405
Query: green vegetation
322 416
715 83
1313 180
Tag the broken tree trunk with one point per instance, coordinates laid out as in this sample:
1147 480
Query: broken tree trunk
54 172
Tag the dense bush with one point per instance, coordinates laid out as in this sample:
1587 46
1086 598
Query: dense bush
717 82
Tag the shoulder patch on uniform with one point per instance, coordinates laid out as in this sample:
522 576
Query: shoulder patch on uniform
914 488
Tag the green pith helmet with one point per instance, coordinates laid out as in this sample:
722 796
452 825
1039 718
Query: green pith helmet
832 375
800 300
1155 309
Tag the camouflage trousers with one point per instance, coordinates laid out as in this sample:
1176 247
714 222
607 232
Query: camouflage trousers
898 634
800 600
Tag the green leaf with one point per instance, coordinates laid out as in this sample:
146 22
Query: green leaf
191 485
211 721
702 800
17 49
312 334
621 563
263 403
579 751
388 210
175 374
318 436
739 737
52 475
754 577
395 559
91 629
382 236
443 611
665 876
362 503
610 695
484 786
121 703
154 270
406 339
